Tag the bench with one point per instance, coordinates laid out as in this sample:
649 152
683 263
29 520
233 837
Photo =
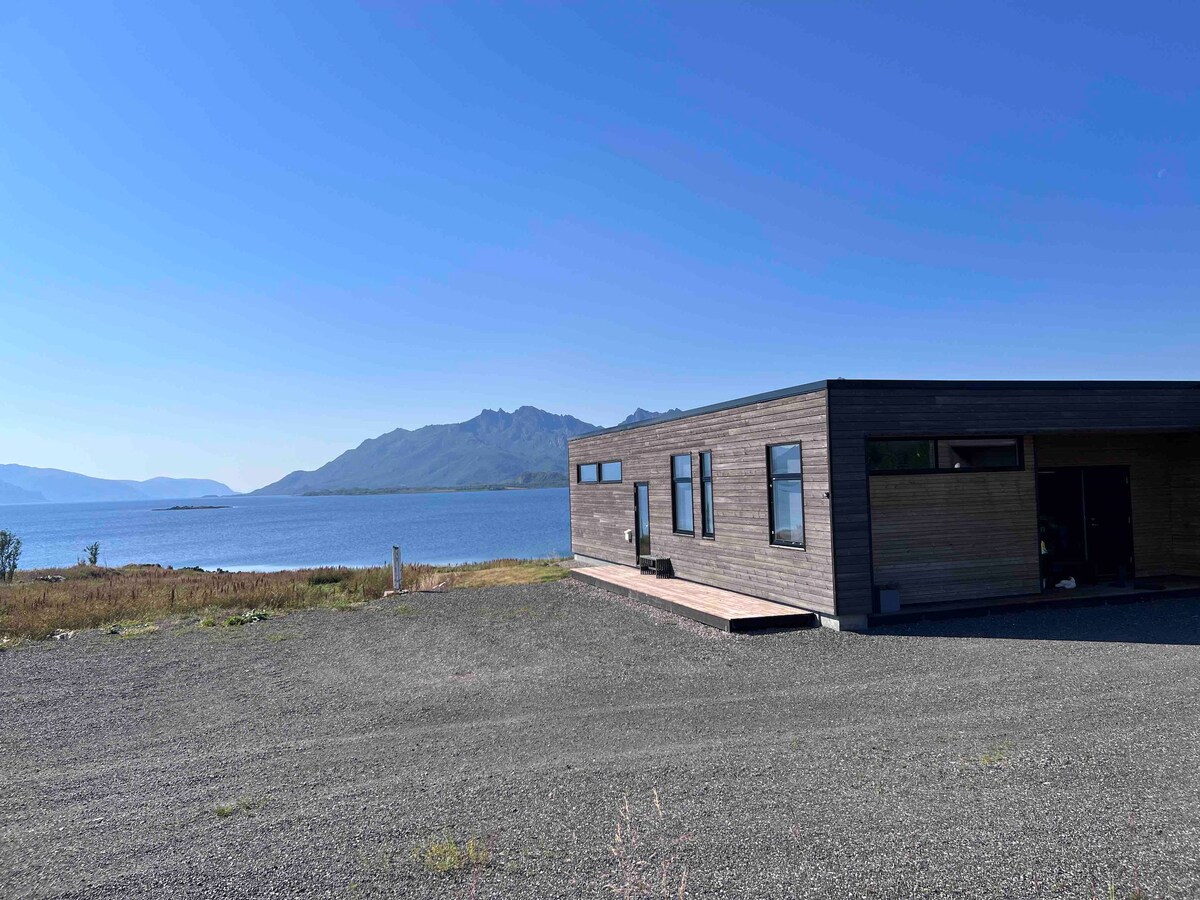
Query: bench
659 565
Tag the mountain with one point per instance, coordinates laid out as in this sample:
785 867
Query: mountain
525 448
10 493
57 486
641 415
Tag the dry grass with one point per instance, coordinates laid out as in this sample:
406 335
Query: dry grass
94 596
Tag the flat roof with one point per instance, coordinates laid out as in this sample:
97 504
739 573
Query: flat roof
891 384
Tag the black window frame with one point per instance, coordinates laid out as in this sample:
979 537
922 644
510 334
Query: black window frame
936 469
771 479
609 462
705 511
675 482
579 479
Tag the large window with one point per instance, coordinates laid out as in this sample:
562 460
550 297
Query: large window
681 494
896 456
785 495
610 471
588 473
707 523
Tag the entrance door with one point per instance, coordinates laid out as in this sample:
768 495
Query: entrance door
641 519
1085 522
1109 520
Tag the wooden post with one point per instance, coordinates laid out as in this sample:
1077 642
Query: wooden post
397 568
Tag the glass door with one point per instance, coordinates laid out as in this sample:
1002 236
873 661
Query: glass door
641 519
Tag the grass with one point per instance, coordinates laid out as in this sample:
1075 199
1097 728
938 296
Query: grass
243 805
98 596
444 855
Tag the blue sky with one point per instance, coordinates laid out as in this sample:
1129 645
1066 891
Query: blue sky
235 241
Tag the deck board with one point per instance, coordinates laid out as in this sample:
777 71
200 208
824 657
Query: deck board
727 610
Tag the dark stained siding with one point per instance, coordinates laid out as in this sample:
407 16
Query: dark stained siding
1185 505
740 557
858 409
1149 459
956 536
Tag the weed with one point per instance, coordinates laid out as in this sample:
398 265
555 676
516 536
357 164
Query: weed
445 854
644 863
404 609
208 622
995 757
244 805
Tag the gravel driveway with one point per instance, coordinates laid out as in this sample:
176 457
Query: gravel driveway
351 754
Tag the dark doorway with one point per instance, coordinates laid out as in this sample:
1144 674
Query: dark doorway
1085 520
641 520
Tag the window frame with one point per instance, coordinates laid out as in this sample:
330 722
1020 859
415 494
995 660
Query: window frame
771 479
705 511
600 472
675 482
937 440
579 479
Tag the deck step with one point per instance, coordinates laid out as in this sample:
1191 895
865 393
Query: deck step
727 610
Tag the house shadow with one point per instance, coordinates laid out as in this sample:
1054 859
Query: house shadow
1163 620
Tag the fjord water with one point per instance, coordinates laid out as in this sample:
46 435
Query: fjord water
268 533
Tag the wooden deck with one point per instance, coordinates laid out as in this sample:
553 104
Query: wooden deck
719 608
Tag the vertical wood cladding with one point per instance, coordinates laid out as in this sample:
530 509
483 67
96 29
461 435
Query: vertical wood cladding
862 409
956 535
739 557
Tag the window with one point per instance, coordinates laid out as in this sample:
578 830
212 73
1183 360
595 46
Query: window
785 495
589 473
900 456
610 471
681 494
979 453
909 455
707 523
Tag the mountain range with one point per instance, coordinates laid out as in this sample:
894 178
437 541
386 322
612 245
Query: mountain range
526 447
25 484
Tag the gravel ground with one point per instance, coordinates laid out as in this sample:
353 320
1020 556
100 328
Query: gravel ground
1032 754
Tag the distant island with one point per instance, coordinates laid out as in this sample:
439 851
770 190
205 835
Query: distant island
27 484
174 508
550 480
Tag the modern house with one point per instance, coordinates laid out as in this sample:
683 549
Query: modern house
854 499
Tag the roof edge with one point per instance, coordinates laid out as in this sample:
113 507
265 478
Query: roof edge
889 384
780 394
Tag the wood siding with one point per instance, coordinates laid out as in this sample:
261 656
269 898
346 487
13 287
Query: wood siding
859 409
956 535
740 557
1185 505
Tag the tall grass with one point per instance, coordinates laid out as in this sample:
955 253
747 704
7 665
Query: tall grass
91 596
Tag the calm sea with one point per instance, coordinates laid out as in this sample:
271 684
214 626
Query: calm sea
266 533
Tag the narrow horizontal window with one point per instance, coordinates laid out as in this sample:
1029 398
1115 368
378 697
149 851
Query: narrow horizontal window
682 513
900 456
785 495
610 471
896 456
707 519
588 473
979 453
